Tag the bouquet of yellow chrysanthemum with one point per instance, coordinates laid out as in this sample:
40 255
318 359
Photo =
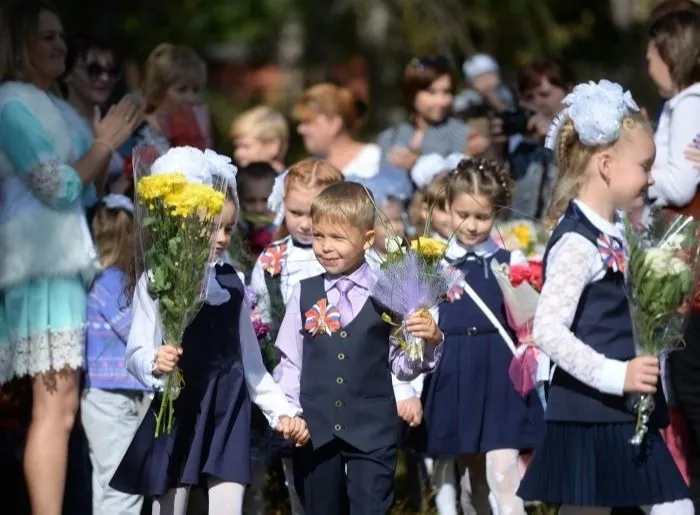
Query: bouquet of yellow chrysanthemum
413 278
176 216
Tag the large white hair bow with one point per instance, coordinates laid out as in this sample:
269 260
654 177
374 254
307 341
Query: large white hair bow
431 165
275 201
596 110
189 161
222 166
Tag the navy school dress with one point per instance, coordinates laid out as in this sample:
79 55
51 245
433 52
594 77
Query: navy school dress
211 428
585 458
471 405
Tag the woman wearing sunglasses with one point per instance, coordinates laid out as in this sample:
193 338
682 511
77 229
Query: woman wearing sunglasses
93 73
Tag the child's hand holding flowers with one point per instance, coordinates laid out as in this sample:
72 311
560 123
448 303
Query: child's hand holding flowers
166 359
421 324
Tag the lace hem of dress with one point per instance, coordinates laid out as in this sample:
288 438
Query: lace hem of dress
42 352
45 179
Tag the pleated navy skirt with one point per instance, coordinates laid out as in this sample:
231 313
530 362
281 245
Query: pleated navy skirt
210 438
595 465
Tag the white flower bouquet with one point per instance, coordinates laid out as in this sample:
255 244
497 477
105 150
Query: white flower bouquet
661 273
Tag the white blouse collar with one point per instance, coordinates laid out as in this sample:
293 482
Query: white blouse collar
603 225
455 250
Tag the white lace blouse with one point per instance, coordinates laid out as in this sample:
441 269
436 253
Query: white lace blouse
572 264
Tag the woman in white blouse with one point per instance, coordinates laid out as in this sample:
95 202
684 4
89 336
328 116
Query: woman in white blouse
673 58
329 117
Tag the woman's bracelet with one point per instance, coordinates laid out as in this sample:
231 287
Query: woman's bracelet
104 143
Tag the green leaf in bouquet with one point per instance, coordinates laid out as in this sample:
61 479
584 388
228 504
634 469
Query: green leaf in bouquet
167 303
174 245
687 281
148 221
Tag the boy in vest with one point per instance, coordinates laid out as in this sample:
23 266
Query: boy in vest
336 363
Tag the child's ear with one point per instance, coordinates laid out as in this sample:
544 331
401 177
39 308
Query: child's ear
605 166
369 240
273 148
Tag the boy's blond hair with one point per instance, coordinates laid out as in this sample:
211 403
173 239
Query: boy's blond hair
264 124
345 202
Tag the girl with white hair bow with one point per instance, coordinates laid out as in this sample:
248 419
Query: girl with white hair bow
221 361
585 462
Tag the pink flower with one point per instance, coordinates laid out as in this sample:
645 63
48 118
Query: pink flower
261 329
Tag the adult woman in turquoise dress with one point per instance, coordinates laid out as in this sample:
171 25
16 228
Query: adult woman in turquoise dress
47 257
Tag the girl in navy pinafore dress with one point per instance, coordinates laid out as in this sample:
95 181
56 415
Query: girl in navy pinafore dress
472 410
223 369
586 463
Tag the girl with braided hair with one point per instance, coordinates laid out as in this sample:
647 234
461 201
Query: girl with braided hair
472 410
585 462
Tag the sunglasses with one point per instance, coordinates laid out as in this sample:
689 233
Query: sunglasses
96 71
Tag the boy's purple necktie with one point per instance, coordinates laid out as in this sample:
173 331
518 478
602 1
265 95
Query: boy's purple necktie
344 285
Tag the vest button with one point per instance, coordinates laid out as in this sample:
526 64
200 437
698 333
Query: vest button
337 427
343 334
339 380
341 356
338 404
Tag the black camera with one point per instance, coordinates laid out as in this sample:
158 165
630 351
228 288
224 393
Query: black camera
515 121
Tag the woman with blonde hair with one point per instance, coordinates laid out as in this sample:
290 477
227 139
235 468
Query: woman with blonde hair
174 76
329 117
47 259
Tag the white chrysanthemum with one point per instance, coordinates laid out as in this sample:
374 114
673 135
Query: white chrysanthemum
394 244
658 260
673 243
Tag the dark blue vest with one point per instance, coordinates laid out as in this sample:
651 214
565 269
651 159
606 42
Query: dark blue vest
346 389
211 343
602 321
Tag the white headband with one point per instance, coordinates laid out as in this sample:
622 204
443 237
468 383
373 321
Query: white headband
114 201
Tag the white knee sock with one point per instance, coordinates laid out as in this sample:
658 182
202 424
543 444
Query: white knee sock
503 477
682 507
174 502
225 498
474 489
445 482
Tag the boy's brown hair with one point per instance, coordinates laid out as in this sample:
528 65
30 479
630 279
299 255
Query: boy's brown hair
345 203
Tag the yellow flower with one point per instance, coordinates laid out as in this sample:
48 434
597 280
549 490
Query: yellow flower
523 235
154 187
428 247
195 198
